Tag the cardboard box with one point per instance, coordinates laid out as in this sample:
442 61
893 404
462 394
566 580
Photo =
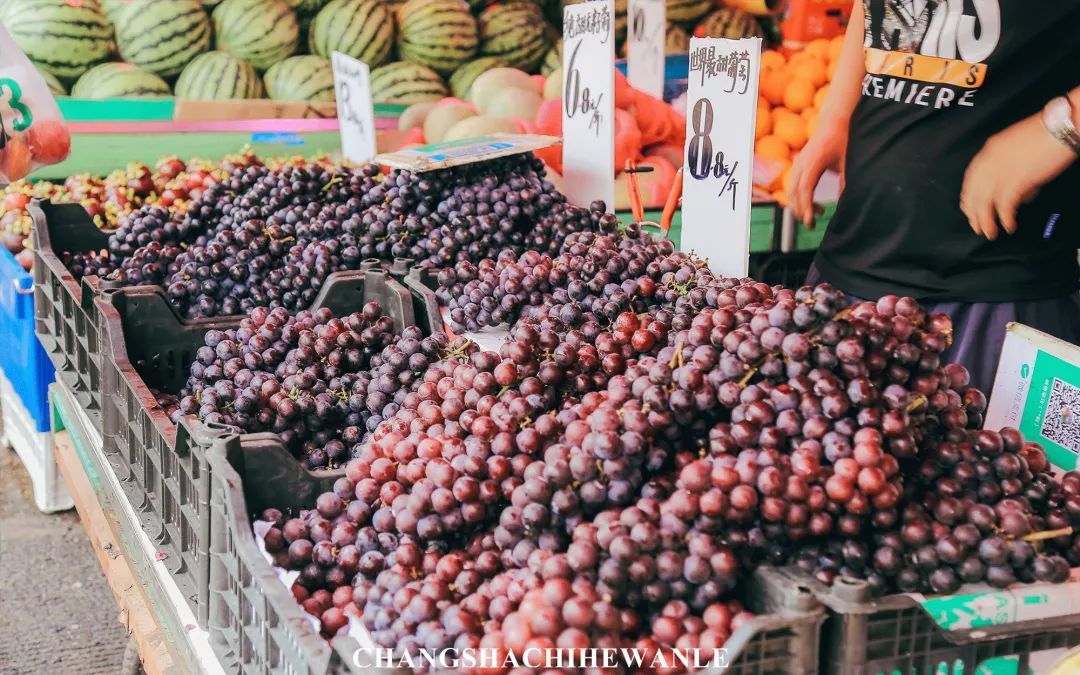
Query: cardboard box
1037 390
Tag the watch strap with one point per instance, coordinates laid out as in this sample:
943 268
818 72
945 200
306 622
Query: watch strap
1066 130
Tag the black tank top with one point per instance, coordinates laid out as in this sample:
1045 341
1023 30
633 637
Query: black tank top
942 77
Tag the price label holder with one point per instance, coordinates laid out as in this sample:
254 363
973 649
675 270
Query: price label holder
718 161
467 151
356 116
588 119
646 45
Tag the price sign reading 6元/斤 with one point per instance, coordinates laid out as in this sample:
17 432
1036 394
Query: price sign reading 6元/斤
356 117
589 102
646 40
718 162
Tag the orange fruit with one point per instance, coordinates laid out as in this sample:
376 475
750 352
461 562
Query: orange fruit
764 123
830 72
799 95
812 124
762 102
791 130
779 112
836 45
818 48
813 70
772 60
773 148
773 86
785 181
819 96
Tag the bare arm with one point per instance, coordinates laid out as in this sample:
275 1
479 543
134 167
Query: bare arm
826 148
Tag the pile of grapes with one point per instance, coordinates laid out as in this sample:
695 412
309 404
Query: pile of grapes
647 435
268 236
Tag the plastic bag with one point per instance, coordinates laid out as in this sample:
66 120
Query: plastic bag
32 131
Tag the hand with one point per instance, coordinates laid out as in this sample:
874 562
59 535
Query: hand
1007 172
825 150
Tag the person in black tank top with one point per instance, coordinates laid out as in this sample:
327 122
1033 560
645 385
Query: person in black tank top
948 120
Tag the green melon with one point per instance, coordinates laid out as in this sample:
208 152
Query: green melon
162 36
261 32
687 11
553 59
515 32
216 76
462 79
119 80
439 34
405 83
56 88
363 29
729 23
63 39
300 78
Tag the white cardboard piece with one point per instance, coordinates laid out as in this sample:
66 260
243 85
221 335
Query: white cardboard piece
646 42
456 153
1037 390
356 115
718 158
589 102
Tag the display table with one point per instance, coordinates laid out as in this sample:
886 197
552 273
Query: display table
151 607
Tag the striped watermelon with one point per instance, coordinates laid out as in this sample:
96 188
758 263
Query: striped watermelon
729 23
363 29
109 7
216 76
515 32
462 79
677 40
62 39
56 88
439 34
553 59
300 78
119 80
405 83
687 11
162 36
261 32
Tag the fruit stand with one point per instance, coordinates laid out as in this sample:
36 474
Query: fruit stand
322 416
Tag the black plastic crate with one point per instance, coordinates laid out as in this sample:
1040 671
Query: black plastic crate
896 634
787 269
256 626
162 465
63 306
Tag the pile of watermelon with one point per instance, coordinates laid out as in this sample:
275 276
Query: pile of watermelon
419 50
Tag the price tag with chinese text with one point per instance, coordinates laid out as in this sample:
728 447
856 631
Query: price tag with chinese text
356 118
718 162
646 41
588 69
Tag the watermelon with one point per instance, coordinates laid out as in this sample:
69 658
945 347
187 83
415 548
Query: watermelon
261 32
300 78
439 34
515 32
687 11
216 76
363 29
109 7
677 40
405 83
63 39
119 80
162 36
729 23
553 59
56 88
462 79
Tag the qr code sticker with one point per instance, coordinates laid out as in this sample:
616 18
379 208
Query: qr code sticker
1061 423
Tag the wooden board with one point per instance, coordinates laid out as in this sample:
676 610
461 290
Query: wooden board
103 530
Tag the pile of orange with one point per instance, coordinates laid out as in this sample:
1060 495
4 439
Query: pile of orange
792 90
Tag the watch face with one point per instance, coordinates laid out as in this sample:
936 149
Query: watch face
1058 113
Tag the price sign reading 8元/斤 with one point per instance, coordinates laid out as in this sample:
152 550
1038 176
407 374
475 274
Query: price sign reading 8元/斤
718 162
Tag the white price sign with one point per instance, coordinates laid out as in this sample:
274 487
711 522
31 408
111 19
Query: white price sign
646 43
588 69
356 118
718 164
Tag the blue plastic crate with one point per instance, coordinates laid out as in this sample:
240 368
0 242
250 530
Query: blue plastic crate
22 358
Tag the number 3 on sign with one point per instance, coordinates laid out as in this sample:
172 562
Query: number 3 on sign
719 153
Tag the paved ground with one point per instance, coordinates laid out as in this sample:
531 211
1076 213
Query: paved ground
57 615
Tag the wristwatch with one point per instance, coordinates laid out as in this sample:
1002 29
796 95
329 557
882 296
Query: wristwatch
1057 118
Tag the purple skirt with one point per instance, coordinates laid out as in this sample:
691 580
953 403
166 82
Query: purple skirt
979 327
